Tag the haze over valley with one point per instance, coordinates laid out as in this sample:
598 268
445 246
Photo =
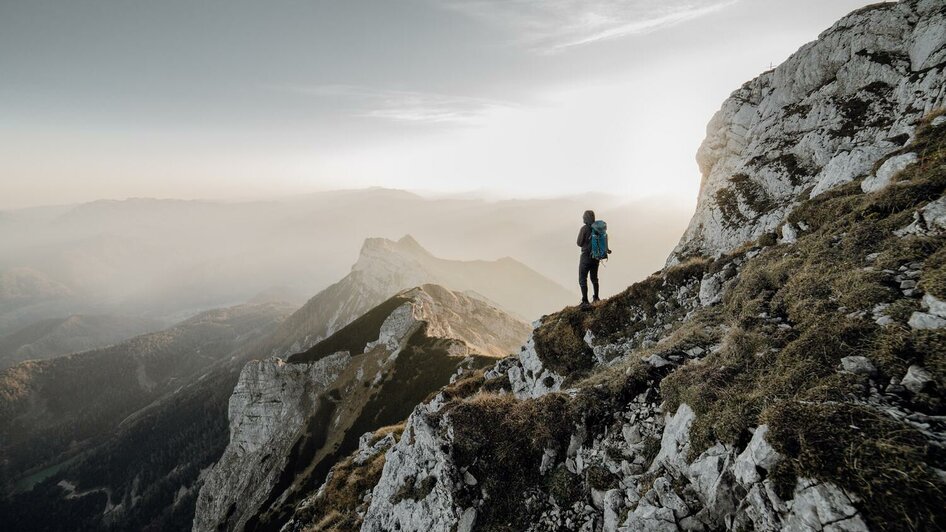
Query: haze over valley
168 259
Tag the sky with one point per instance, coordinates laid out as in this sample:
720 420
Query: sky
236 99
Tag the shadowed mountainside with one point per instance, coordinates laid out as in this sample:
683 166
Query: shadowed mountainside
60 336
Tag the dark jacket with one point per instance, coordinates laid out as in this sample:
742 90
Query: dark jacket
584 234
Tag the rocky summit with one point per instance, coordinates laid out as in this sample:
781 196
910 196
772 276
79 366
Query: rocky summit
785 371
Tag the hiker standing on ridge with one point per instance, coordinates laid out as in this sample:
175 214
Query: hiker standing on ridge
593 241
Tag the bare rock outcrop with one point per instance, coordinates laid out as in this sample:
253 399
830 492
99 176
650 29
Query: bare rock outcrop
829 114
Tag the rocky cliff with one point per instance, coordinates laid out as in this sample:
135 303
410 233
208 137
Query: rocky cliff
290 421
828 115
786 371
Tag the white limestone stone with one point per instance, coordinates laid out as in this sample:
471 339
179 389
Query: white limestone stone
916 379
822 506
885 173
758 454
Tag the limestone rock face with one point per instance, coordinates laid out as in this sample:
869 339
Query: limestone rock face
418 459
527 375
421 487
267 412
824 117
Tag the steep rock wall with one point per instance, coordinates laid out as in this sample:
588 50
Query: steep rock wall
268 412
822 118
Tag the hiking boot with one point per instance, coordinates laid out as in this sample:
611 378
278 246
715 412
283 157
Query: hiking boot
585 305
595 301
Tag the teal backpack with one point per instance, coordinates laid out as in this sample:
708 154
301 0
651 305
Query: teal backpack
599 240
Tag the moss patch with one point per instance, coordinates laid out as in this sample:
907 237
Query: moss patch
564 486
561 346
752 193
866 453
501 441
728 203
462 387
600 478
933 279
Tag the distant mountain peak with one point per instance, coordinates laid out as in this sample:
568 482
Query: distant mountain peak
407 244
380 255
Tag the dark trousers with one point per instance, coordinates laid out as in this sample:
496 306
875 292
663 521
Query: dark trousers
587 266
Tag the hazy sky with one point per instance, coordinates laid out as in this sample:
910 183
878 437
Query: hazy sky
237 99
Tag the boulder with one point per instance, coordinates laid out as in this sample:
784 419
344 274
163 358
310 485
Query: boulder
916 379
822 506
923 320
789 234
757 455
858 365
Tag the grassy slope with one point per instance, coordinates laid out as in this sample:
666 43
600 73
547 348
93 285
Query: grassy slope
825 287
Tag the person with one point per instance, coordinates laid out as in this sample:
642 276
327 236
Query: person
587 265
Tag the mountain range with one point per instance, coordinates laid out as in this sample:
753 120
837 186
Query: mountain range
136 453
291 421
168 259
385 267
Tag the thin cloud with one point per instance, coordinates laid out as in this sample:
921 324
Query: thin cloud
554 25
405 106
